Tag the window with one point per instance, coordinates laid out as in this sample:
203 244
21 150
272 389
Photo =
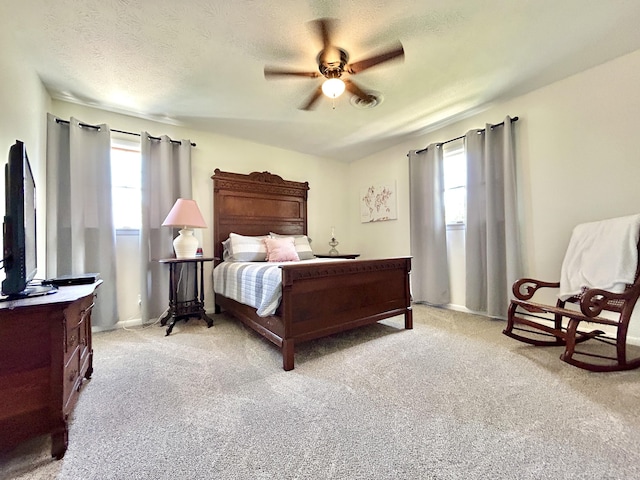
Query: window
125 185
455 183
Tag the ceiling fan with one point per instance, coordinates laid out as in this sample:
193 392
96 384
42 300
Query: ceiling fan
333 63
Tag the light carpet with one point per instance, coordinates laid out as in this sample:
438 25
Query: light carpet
451 399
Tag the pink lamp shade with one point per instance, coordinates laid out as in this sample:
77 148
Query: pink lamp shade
185 214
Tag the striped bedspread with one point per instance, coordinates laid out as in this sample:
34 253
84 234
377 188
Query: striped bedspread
257 284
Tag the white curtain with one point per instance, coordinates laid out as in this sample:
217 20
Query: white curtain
429 266
493 260
166 176
80 233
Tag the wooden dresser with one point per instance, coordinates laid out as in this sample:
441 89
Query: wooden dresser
45 354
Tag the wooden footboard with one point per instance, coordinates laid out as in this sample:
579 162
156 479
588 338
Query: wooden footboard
321 299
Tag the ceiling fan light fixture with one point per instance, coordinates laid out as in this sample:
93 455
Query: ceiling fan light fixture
333 87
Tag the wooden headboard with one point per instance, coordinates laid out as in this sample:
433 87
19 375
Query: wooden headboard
256 204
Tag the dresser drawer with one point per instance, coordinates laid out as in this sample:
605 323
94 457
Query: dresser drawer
72 340
80 336
71 379
75 316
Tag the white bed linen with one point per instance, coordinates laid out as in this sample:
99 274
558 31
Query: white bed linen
257 284
601 255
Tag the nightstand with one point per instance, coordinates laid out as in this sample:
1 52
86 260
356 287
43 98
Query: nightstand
340 255
187 308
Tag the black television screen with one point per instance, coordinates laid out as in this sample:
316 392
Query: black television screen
19 229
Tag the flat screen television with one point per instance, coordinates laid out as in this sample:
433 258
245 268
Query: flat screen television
19 227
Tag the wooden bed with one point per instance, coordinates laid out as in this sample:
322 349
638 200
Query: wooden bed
317 299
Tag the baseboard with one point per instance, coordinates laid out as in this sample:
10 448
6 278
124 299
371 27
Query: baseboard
130 323
633 341
459 308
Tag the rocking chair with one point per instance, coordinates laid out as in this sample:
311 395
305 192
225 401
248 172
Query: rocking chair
546 325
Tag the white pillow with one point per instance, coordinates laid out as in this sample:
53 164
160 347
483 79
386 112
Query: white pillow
302 244
247 249
226 249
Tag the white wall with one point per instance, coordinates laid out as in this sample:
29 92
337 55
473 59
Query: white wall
577 161
327 179
388 238
24 103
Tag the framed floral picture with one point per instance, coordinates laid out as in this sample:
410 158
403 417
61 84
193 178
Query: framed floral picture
378 203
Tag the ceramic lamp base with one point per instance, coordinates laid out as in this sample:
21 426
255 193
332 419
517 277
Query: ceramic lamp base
185 245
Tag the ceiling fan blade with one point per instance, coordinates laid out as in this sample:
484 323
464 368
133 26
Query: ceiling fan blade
356 90
312 99
357 67
280 72
325 27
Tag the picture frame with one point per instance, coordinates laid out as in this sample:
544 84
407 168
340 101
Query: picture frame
378 203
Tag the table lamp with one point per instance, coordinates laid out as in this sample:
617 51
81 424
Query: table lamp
186 215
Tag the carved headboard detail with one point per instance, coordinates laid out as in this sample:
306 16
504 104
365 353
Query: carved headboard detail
256 204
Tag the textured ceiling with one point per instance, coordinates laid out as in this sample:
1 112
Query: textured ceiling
200 63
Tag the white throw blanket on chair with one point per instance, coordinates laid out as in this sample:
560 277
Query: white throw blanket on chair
601 255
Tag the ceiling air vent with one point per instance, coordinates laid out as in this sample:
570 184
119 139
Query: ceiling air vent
375 99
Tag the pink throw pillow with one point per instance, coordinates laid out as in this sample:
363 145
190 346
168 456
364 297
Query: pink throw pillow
281 249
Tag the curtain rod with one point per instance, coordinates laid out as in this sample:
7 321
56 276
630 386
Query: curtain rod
514 119
97 127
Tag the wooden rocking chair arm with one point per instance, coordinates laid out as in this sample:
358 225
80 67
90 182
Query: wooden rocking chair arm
524 288
595 300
